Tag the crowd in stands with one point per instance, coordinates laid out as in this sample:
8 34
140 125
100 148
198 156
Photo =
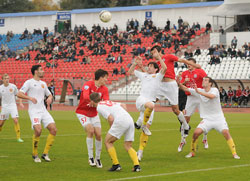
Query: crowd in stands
6 52
219 51
236 97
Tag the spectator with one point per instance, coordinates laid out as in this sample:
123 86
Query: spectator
48 65
234 42
245 96
180 21
115 71
197 51
123 71
208 27
51 88
231 95
78 93
238 94
221 30
119 59
223 95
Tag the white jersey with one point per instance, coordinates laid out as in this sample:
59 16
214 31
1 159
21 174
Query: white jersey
149 84
8 95
209 108
37 90
107 108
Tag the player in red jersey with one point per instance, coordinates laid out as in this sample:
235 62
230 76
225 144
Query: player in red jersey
191 78
169 88
88 116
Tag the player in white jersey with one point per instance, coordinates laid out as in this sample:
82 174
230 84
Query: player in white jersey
145 103
121 123
36 91
211 114
8 94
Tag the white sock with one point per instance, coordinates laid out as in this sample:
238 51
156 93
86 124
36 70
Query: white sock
98 149
183 120
182 130
89 142
204 136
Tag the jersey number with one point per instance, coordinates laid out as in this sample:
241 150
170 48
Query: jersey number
84 119
107 103
36 120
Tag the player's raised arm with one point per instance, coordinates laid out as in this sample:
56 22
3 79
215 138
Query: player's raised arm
187 62
138 61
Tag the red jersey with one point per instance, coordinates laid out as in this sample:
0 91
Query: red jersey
169 61
87 89
195 77
238 93
230 93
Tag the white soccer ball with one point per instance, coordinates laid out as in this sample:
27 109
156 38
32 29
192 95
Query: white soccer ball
105 16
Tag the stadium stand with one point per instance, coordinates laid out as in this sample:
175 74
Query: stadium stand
62 51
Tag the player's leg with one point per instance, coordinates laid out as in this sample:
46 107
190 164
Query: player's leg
175 109
98 146
230 143
3 117
36 137
197 133
109 141
98 140
50 140
149 107
222 127
89 129
17 130
14 115
128 140
143 142
1 124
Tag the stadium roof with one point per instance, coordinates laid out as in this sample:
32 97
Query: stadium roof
232 9
129 8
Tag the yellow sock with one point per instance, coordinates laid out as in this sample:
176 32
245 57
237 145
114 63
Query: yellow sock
49 142
143 141
133 156
35 145
194 145
147 114
112 154
17 129
231 145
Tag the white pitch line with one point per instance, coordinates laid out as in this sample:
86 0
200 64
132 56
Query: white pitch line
181 172
2 156
67 135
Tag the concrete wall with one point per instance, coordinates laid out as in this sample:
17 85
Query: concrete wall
241 36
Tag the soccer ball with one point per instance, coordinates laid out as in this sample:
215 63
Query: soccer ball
105 16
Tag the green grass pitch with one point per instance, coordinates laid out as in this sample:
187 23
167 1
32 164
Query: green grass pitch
161 159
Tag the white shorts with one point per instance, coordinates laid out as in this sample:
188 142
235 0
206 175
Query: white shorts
192 104
170 91
12 110
141 117
123 126
219 125
84 120
41 117
140 103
